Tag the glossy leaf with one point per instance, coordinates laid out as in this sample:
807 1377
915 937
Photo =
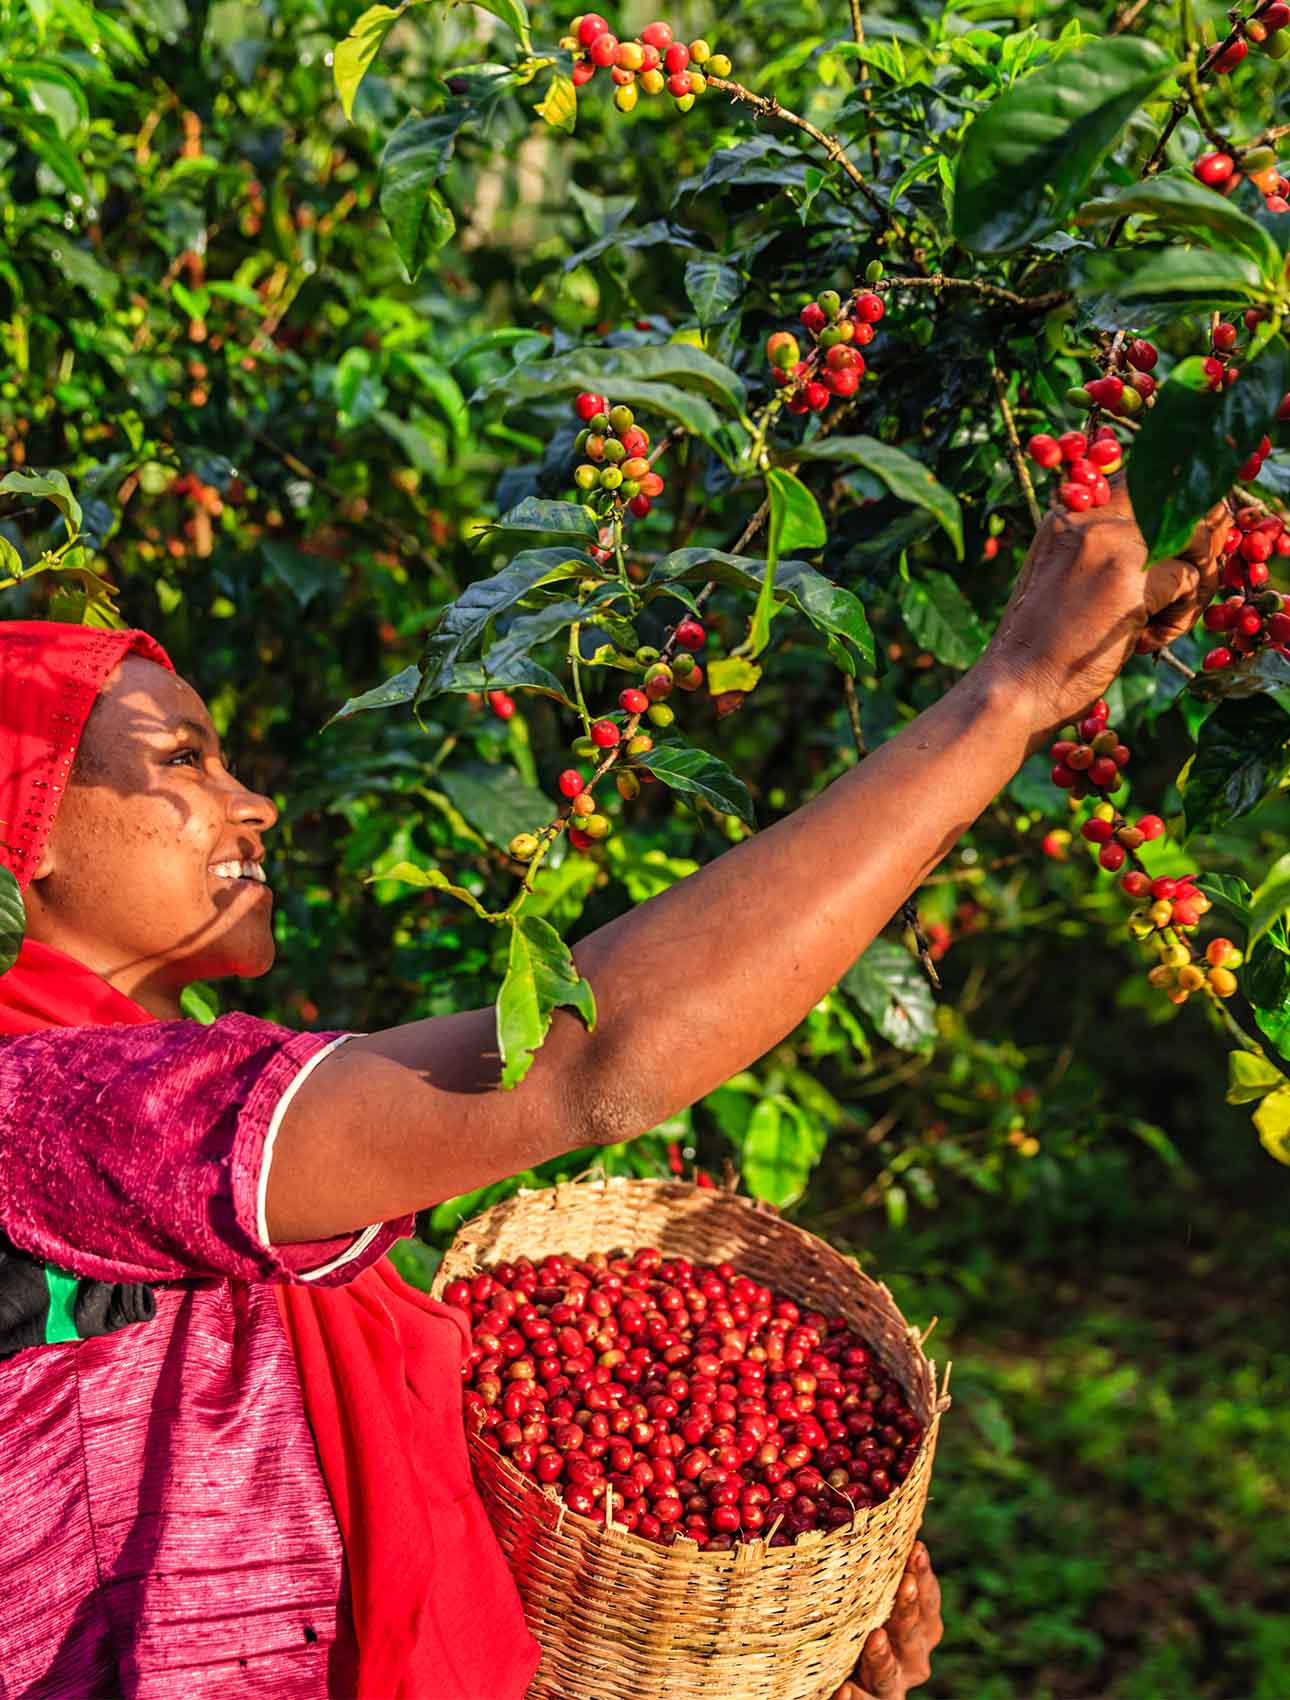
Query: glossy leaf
941 619
1155 285
562 522
51 486
559 106
540 976
1272 899
1177 202
713 287
697 773
889 986
1242 755
829 607
1272 1120
904 476
415 158
1028 157
1192 441
619 371
356 52
465 621
1251 1076
795 523
779 1148
514 14
13 920
432 879
494 800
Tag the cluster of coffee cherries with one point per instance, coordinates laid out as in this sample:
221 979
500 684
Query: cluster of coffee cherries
616 475
1219 170
1266 28
834 366
672 1398
1085 465
1251 616
587 826
1127 389
650 63
1091 760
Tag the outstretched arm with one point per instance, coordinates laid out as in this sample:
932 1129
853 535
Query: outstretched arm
698 982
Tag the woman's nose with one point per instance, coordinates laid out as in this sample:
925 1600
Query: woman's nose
249 808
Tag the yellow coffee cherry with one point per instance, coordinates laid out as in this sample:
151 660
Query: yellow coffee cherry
596 826
1222 982
1191 978
1176 955
1104 811
625 98
1161 913
719 65
1029 1146
700 52
524 846
653 82
698 83
1162 975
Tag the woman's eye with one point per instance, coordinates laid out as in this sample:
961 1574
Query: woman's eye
184 755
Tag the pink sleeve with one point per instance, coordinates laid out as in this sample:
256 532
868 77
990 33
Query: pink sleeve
138 1153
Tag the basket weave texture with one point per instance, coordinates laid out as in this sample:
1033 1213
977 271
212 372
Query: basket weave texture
622 1618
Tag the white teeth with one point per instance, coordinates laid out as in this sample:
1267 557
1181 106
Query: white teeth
239 871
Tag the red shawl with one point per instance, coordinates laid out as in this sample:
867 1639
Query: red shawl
382 1390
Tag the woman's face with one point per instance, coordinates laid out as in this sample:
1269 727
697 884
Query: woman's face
152 875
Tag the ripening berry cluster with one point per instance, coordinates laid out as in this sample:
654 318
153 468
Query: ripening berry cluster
1087 465
1266 28
616 473
1220 171
679 1399
650 63
586 825
834 366
1129 392
1091 760
1179 973
1252 616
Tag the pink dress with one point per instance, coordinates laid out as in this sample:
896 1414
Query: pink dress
165 1532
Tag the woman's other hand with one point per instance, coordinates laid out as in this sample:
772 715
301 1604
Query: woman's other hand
898 1656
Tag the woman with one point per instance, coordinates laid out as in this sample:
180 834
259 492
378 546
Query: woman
230 1439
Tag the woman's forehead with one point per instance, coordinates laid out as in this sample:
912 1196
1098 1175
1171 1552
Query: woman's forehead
152 698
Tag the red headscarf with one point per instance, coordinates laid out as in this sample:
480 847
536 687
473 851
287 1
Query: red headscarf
381 1382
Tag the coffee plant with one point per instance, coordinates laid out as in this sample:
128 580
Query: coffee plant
612 427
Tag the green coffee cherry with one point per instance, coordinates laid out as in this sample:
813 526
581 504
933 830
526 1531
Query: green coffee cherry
610 478
873 271
640 745
830 336
686 103
1277 44
1258 159
646 653
830 302
596 826
1079 398
580 441
524 846
660 714
598 423
628 488
628 786
586 477
585 750
615 453
622 419
683 663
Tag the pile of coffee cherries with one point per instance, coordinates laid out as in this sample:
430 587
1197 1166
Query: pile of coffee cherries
1127 392
834 365
1251 616
648 64
675 1398
1086 465
1219 171
616 473
1091 759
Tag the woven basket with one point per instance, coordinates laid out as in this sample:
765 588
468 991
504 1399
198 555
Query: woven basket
619 1617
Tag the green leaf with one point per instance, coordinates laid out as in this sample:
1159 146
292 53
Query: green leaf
540 975
13 920
1193 440
829 607
1242 755
1179 202
1230 894
1251 1076
560 105
1028 157
888 985
465 621
11 563
433 879
415 158
941 619
1272 1120
1154 285
442 388
652 372
53 486
416 1262
779 1148
712 286
699 774
514 14
356 52
795 523
1271 900
495 800
904 476
398 688
564 522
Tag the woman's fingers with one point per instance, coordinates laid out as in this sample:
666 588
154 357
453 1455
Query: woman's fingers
880 1673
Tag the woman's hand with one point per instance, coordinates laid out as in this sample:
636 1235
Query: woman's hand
897 1657
1083 603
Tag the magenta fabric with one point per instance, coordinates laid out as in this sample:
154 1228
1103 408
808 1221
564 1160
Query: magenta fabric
165 1531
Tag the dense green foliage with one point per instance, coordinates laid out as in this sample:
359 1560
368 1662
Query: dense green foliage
287 456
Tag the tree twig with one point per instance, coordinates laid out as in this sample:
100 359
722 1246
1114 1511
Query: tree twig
1015 454
866 93
978 286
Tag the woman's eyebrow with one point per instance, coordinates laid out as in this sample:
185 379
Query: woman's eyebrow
201 732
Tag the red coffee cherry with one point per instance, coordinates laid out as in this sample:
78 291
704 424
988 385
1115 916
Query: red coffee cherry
869 308
502 705
690 634
1217 658
1141 354
633 701
816 397
676 58
570 783
658 36
587 405
813 317
1044 450
1214 169
1111 857
604 734
1224 337
603 50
